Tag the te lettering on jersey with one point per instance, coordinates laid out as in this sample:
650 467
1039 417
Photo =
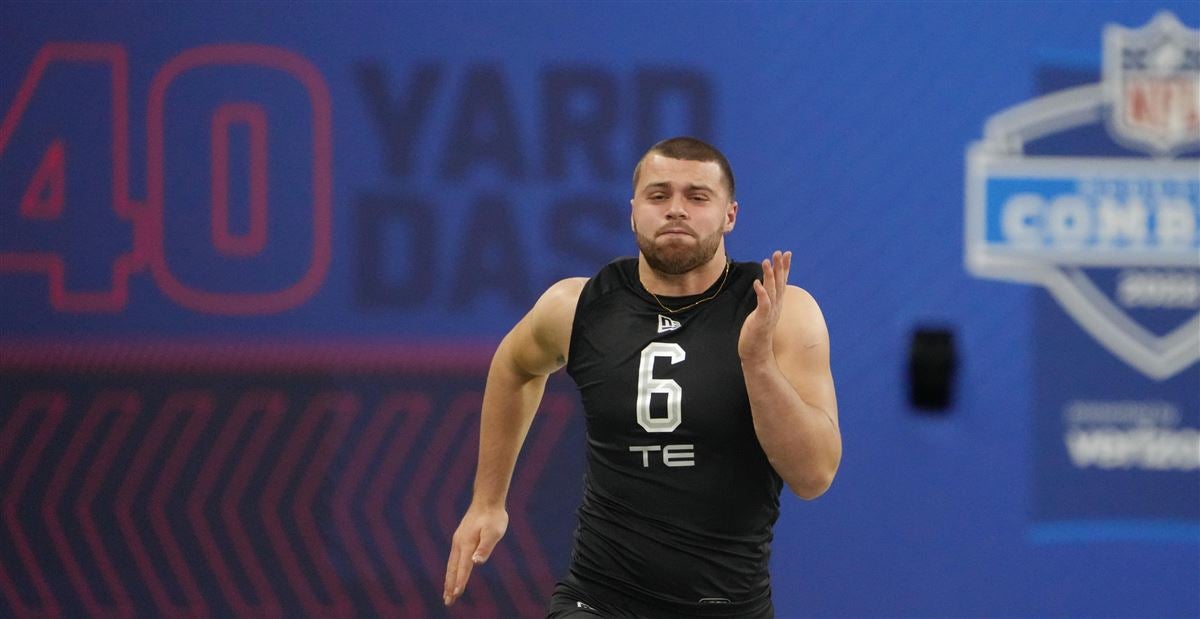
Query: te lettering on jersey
672 455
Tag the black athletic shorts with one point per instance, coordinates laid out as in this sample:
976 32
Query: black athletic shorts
569 602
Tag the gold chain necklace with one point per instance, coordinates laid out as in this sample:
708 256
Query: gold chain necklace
689 306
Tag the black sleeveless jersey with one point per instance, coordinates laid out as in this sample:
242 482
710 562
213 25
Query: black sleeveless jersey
679 499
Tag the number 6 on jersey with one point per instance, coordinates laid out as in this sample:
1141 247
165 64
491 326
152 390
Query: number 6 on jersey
648 386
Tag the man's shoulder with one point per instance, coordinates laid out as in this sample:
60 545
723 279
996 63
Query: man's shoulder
617 274
624 268
560 298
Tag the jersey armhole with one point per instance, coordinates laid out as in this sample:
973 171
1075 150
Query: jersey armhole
607 281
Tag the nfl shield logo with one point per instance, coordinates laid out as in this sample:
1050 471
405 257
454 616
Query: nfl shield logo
1152 85
1115 240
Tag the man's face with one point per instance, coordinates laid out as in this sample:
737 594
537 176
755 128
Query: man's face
681 212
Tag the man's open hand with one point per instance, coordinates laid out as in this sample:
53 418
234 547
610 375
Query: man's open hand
756 340
476 537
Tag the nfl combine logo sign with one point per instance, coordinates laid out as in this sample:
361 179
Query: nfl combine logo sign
1152 82
1092 192
1108 237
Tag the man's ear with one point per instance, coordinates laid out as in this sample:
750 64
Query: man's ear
731 216
632 226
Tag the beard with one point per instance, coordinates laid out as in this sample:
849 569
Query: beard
676 256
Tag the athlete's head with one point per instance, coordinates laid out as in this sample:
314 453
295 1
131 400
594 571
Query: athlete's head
689 149
682 203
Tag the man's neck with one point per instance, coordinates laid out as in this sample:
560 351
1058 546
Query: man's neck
695 281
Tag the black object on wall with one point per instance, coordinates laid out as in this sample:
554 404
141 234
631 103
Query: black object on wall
932 366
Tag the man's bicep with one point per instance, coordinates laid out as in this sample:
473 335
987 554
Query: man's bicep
803 351
538 344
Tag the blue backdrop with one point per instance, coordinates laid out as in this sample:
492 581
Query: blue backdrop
254 258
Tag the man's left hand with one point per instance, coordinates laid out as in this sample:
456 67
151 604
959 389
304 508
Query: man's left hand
758 332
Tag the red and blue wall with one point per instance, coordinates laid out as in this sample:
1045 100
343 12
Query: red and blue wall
254 259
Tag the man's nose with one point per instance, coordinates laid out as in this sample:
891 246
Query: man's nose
675 209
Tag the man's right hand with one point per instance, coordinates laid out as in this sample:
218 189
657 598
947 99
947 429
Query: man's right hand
481 528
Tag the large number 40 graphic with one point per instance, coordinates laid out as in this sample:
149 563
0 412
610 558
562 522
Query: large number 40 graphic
34 180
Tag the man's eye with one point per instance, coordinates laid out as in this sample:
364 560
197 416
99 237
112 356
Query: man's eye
700 198
657 196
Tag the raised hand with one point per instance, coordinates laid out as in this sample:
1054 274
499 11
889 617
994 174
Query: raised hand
756 340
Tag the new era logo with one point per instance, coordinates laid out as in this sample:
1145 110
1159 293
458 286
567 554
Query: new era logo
666 324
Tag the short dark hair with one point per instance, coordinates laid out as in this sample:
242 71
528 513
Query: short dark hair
688 149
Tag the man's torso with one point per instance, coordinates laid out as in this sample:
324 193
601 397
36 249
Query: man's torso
679 500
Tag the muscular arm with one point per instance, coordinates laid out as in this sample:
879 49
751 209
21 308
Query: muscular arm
785 360
535 348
